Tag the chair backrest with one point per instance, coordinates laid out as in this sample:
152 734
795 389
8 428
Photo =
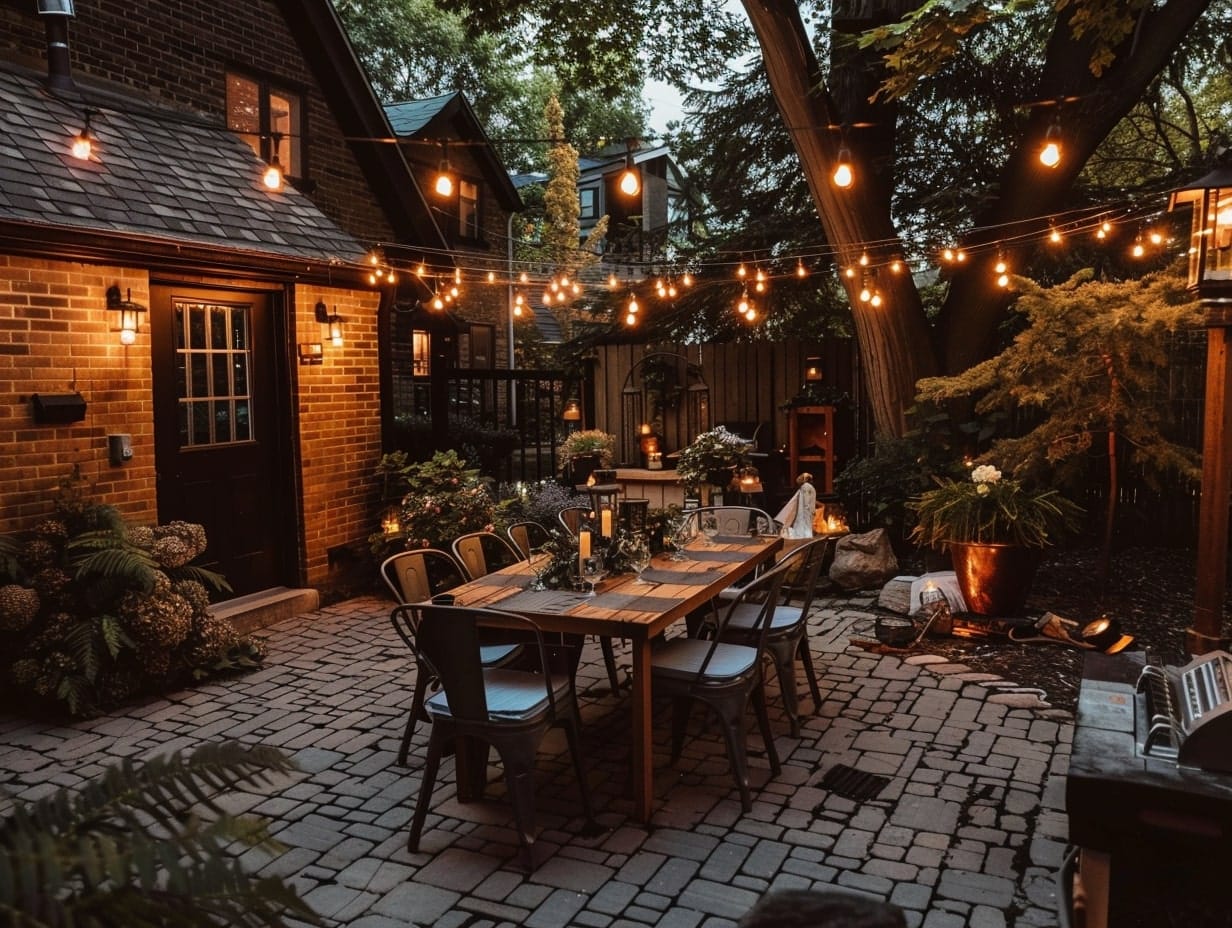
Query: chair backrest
416 576
805 565
526 536
572 517
446 640
764 592
736 520
481 553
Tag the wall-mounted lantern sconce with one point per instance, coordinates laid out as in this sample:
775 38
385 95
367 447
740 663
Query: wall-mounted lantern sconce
130 313
310 353
333 320
812 370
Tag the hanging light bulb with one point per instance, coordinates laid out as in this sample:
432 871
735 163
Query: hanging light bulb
843 175
687 279
523 278
1000 266
1003 280
743 306
83 142
1155 237
444 178
421 270
849 272
742 272
517 304
947 255
547 297
865 294
1055 236
575 288
273 174
437 302
960 256
491 277
633 306
630 183
1139 249
671 291
875 299
372 278
864 259
896 265
760 286
612 282
631 319
751 315
800 270
1050 154
453 291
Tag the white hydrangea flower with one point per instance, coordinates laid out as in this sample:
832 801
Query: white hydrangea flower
985 473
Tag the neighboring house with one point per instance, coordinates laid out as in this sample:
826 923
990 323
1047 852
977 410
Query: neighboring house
639 226
228 424
472 331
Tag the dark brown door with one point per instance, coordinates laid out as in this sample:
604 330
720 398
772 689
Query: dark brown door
218 439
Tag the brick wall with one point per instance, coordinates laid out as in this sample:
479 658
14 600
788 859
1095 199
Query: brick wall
55 332
177 54
339 411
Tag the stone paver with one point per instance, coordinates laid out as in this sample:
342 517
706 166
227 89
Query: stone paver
975 769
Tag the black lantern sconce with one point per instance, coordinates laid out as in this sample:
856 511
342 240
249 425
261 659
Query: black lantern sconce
572 412
812 370
1210 236
333 320
130 313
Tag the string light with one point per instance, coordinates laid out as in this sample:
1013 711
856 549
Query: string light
864 259
517 304
1155 237
1138 250
1054 235
843 176
83 142
444 182
630 184
687 279
1050 154
612 282
800 270
742 272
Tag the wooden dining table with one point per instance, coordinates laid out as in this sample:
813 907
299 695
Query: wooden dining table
623 608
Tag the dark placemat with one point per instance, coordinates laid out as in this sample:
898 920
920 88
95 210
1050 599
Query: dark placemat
501 580
640 602
691 577
709 554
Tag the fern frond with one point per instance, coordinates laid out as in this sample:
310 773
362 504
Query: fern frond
127 563
209 578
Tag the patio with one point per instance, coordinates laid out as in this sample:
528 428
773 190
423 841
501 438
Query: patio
968 827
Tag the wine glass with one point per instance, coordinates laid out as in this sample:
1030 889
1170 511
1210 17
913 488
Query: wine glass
593 570
541 568
638 552
675 538
710 528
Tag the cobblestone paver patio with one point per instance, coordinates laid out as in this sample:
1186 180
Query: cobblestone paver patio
969 831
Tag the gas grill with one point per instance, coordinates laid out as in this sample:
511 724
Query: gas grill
1149 792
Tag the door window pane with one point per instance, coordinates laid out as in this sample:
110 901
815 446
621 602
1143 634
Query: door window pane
213 381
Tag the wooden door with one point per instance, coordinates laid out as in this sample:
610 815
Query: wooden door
220 446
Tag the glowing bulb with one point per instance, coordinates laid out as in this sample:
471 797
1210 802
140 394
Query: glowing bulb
843 176
444 184
523 278
751 315
438 303
273 175
671 291
800 271
960 255
631 319
421 270
1101 233
896 265
127 336
1106 227
864 259
1156 238
1003 280
575 289
82 145
687 280
760 286
741 271
1000 267
849 271
1050 155
866 295
612 282
876 300
1138 250
947 255
553 286
633 304
630 184
1054 236
517 310
743 306
759 275
372 278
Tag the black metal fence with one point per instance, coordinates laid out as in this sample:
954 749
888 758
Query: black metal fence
508 423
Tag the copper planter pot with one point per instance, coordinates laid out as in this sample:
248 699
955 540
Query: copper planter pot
994 578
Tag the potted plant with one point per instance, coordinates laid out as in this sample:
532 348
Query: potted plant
712 458
583 451
995 530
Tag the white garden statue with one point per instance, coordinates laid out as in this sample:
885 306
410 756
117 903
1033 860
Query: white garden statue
797 516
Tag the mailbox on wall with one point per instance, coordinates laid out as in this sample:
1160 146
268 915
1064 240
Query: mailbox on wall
58 408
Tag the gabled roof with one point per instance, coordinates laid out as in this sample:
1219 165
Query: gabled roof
156 174
449 116
331 57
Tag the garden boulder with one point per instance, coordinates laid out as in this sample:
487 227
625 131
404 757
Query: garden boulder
864 560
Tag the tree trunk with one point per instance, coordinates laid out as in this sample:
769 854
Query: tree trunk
893 338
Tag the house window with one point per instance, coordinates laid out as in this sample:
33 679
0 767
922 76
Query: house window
421 347
482 346
468 209
261 113
588 203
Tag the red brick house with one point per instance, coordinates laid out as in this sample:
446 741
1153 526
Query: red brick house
230 424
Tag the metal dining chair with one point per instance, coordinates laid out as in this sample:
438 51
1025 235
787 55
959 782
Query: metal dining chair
481 553
572 517
510 710
415 577
724 677
786 636
736 520
526 536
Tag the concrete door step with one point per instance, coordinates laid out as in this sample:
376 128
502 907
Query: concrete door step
265 607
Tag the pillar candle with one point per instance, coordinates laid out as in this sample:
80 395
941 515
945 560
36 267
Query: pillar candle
583 548
605 522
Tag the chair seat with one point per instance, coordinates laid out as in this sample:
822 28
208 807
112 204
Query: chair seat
682 657
497 653
511 694
744 616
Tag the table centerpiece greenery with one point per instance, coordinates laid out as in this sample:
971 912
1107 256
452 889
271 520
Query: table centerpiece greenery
712 457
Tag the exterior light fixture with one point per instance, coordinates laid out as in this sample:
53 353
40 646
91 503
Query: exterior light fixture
83 142
812 370
572 411
273 171
335 330
1210 278
129 313
444 178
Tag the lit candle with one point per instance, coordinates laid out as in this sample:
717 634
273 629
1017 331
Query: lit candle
583 549
605 522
